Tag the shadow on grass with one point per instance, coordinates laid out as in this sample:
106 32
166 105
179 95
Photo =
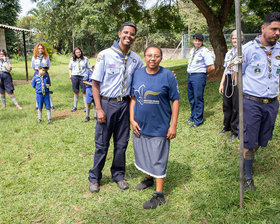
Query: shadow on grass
177 174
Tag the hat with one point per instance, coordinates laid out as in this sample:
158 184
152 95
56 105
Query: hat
198 36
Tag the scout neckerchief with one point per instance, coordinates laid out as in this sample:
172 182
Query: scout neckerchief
79 65
124 57
194 53
268 53
41 59
42 83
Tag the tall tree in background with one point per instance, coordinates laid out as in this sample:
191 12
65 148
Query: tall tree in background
9 10
216 12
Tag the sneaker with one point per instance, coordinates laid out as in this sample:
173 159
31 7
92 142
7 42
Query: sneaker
188 122
36 108
193 126
123 185
18 107
52 108
223 131
85 109
49 121
147 182
94 187
249 185
156 200
39 120
73 109
87 119
232 137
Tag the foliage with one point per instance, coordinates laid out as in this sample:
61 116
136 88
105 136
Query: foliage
44 168
9 10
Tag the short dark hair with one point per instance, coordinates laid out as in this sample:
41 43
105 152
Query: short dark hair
4 52
44 67
272 17
153 46
74 55
129 24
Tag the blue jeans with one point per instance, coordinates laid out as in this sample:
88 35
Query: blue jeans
196 85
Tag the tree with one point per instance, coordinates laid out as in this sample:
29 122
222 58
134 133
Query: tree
9 9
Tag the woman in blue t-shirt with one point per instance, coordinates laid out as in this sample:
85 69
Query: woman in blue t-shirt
152 90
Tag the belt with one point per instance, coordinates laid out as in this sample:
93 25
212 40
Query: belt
259 99
118 99
197 73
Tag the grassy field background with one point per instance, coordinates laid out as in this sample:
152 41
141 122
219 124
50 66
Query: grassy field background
44 168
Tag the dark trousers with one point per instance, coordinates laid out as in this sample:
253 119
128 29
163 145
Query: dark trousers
117 124
196 85
230 105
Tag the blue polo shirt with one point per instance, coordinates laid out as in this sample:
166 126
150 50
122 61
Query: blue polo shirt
37 83
199 60
109 71
153 93
255 72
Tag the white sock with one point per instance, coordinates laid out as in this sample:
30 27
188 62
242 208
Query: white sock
13 98
85 101
40 114
49 114
3 100
51 103
75 101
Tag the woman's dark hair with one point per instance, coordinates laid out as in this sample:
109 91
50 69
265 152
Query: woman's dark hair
4 52
74 55
153 46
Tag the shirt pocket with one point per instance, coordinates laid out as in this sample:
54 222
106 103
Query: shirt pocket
112 71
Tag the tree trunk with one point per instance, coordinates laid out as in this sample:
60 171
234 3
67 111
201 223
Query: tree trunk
219 45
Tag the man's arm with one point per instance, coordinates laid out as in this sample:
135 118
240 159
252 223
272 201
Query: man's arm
101 116
210 68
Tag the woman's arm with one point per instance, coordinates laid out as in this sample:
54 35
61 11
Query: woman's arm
134 124
70 73
173 126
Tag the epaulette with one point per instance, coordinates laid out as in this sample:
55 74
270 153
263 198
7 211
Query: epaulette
251 42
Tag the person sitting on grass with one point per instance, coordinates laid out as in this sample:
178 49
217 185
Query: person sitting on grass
89 97
6 80
41 83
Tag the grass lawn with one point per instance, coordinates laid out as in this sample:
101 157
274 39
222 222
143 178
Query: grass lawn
44 168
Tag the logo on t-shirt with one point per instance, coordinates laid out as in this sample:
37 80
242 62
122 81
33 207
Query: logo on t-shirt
141 95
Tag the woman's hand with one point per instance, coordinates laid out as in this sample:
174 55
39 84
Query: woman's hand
221 89
48 85
171 132
135 128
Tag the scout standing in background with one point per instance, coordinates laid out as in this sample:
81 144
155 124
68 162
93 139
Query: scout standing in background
201 62
78 67
41 83
41 59
6 81
89 97
228 88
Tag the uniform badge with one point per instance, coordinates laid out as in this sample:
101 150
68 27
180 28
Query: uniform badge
277 57
257 57
99 58
257 70
197 61
134 60
278 71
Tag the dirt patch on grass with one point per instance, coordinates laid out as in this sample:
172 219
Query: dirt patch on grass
21 82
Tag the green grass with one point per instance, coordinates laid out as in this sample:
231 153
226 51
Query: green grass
44 168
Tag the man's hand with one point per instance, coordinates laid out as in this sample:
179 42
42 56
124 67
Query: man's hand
101 116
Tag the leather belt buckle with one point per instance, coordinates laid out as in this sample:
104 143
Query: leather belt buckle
119 99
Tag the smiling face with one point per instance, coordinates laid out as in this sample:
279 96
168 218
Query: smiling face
40 50
153 58
197 43
78 53
127 36
42 71
270 33
234 40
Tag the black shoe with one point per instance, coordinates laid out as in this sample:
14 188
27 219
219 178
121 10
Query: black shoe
85 109
49 121
147 182
193 126
188 122
232 137
223 131
39 120
93 187
87 119
249 185
123 185
36 108
74 109
156 200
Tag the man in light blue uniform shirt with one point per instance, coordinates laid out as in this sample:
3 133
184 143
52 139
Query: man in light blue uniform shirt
261 71
201 62
112 79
